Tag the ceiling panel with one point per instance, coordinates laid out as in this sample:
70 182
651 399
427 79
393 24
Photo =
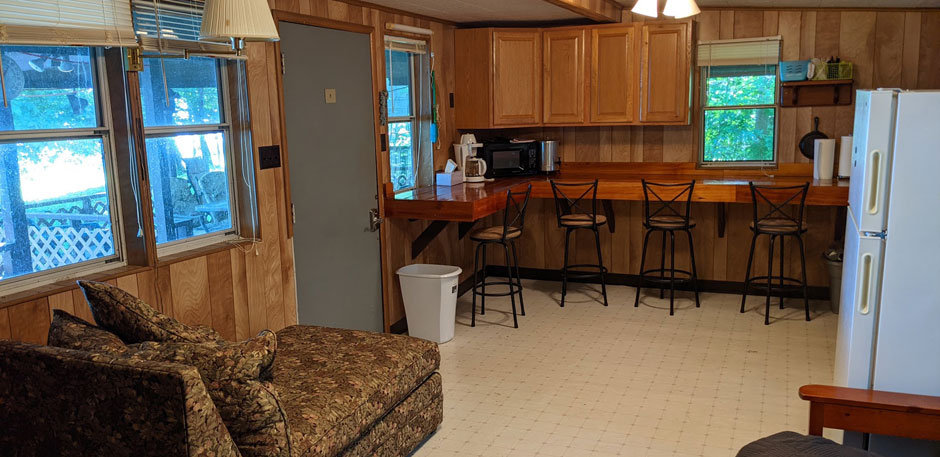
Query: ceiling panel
811 3
482 10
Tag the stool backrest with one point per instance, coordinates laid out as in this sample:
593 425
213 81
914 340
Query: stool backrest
671 200
514 214
779 198
584 203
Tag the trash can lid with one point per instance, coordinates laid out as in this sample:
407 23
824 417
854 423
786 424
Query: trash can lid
422 270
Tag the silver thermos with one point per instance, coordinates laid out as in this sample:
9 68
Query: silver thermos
549 160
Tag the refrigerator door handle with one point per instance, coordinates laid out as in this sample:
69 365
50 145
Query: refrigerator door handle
866 284
874 182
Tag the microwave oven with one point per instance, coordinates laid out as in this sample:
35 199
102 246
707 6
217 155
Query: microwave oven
511 159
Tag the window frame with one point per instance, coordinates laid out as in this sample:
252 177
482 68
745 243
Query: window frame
412 119
105 131
225 127
703 100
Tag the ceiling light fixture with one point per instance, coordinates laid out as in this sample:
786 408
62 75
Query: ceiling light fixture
646 7
681 8
238 21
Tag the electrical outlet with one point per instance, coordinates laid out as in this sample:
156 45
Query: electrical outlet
330 96
269 157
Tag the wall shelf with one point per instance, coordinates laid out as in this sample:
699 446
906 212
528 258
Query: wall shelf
816 93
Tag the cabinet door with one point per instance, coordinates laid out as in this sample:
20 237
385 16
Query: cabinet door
563 61
664 82
613 74
517 78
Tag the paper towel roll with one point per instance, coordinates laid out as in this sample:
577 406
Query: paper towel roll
845 157
823 156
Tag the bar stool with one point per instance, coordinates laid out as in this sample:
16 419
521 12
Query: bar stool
572 216
671 214
504 235
778 224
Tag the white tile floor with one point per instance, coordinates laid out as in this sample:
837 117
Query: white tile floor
586 380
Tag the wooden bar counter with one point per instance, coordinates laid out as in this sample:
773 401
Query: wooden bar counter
471 202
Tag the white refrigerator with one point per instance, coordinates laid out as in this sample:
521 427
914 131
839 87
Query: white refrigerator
889 327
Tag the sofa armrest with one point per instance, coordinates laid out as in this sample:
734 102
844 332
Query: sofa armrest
56 401
872 411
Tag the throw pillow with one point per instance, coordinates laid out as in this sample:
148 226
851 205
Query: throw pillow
135 321
249 406
69 332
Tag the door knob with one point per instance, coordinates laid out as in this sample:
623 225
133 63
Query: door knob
374 220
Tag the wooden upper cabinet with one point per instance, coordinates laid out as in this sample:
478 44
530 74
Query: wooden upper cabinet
563 76
665 77
614 74
517 78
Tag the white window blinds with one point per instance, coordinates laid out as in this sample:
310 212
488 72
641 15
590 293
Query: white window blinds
172 27
393 43
66 22
750 51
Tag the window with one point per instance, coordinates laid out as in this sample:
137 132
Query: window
739 112
56 177
408 103
189 152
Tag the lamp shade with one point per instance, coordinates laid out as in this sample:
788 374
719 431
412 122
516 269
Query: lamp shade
681 8
646 7
249 20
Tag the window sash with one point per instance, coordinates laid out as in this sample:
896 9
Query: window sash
224 127
105 134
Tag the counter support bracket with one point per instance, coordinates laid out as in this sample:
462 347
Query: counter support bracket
424 239
609 212
463 229
722 209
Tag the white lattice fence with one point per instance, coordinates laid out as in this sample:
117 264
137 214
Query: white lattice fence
59 246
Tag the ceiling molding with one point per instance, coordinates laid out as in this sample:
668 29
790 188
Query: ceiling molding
596 10
388 9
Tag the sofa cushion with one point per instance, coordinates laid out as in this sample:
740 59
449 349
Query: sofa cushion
335 384
69 332
791 444
250 407
135 321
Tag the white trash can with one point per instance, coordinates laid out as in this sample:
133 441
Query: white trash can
430 296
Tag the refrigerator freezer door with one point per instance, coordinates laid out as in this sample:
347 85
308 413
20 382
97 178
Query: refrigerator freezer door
871 158
861 273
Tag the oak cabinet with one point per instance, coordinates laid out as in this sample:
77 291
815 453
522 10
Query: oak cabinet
563 76
614 75
499 78
665 77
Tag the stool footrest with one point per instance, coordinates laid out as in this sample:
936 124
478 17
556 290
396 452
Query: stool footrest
653 276
514 288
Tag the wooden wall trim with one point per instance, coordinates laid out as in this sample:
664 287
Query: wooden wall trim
597 10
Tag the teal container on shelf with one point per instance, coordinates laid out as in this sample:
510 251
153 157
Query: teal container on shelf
793 70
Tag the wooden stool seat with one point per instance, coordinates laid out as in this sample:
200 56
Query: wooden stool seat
582 220
670 222
779 226
495 233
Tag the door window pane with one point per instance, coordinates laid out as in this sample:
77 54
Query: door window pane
193 86
189 182
402 157
54 208
48 88
739 135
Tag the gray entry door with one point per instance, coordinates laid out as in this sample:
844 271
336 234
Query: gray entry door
331 149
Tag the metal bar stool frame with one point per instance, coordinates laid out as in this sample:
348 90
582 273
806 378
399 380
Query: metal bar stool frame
566 206
762 226
514 281
680 220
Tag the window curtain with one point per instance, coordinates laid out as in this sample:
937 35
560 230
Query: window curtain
66 22
749 51
424 153
172 27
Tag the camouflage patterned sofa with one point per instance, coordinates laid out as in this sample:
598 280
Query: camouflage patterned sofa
345 393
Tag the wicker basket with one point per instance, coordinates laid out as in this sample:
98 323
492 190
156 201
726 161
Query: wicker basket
841 70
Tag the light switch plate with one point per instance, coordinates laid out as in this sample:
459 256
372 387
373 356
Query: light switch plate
331 96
